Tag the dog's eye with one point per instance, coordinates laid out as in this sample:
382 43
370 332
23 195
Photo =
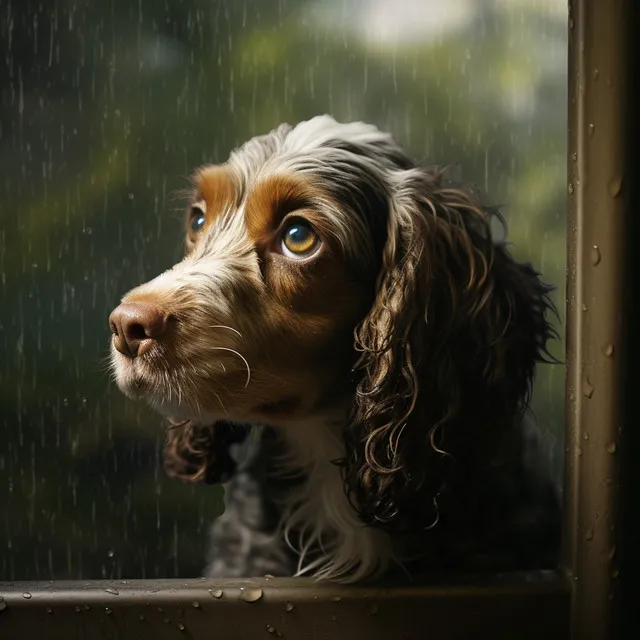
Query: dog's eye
198 216
299 240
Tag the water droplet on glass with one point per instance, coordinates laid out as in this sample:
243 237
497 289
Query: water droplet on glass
112 591
611 448
181 626
3 604
110 553
608 350
251 594
595 255
270 629
215 593
141 617
26 595
336 598
592 129
76 609
108 611
195 604
570 188
49 610
589 534
288 606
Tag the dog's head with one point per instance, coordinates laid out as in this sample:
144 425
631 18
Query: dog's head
325 271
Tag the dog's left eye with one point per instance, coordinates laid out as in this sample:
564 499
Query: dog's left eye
299 240
198 216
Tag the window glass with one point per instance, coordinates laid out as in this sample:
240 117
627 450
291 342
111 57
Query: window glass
106 107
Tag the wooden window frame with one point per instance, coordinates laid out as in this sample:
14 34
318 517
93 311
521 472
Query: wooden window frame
589 596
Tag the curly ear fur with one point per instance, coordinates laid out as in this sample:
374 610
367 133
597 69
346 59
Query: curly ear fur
196 453
447 355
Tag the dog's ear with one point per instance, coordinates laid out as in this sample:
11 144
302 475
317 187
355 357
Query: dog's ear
448 352
200 454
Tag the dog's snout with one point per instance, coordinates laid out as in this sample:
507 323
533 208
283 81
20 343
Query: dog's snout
135 325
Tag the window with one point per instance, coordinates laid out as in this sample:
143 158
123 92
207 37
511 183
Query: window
105 108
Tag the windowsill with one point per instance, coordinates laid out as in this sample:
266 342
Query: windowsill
520 605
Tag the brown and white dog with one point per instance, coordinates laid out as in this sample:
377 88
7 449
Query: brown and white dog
352 308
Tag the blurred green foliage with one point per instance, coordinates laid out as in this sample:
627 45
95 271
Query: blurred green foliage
105 109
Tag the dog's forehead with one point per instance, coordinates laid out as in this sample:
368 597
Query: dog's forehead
309 143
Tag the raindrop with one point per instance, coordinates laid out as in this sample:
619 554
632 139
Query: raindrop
588 536
108 611
570 188
49 610
595 255
608 350
615 187
3 604
270 629
336 598
26 595
216 593
195 604
611 448
112 591
588 390
76 609
252 594
110 553
181 626
288 606
592 129
141 617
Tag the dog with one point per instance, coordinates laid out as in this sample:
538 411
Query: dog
347 347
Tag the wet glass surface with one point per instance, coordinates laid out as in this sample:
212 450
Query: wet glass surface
106 107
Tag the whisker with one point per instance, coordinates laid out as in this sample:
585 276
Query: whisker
224 326
246 364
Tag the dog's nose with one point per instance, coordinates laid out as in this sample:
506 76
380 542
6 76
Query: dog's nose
135 325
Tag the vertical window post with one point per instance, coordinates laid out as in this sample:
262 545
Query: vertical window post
600 74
